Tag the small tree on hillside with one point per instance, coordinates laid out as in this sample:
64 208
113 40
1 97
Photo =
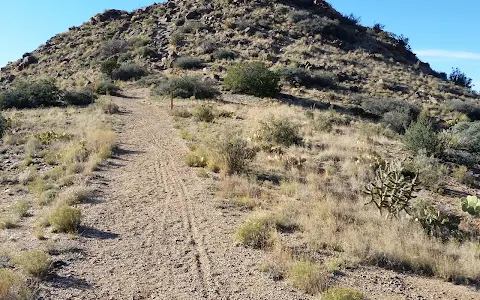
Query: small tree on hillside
459 78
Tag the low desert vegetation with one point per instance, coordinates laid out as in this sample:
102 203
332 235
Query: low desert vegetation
186 87
252 78
13 286
34 262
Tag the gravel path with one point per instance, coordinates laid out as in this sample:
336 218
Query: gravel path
157 233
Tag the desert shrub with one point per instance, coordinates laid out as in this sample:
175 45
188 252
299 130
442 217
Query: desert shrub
22 208
431 172
308 277
468 107
113 47
224 54
280 131
196 160
105 87
307 78
108 66
129 71
234 154
3 125
204 113
459 78
13 286
207 46
337 293
46 197
43 93
189 63
351 19
34 262
467 136
186 87
297 16
463 175
109 107
191 27
257 232
65 219
421 135
252 78
146 51
181 112
75 195
398 114
79 97
461 157
177 38
7 223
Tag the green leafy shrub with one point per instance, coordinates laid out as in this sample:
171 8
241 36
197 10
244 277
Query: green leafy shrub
79 97
105 87
234 154
252 78
189 63
65 219
463 175
421 135
280 131
129 71
467 136
337 293
108 66
186 87
204 113
13 286
471 204
43 93
307 78
224 54
34 262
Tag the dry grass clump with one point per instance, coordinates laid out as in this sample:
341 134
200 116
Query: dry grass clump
75 195
22 208
308 277
65 219
33 262
257 232
338 293
13 286
7 223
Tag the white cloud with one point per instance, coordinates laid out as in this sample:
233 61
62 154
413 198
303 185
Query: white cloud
435 53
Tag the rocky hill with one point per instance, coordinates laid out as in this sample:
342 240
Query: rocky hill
306 33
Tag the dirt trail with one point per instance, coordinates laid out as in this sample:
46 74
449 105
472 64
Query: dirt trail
156 232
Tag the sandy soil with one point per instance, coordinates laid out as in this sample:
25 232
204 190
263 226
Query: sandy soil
155 233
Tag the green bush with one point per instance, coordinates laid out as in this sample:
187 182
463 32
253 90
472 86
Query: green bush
252 78
280 131
79 97
224 54
307 78
257 232
467 136
105 87
186 87
421 135
43 93
65 219
189 63
108 66
129 71
204 113
337 293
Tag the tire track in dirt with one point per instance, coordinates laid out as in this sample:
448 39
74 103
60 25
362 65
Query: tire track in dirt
159 235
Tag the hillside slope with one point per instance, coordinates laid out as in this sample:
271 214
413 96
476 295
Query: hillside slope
280 33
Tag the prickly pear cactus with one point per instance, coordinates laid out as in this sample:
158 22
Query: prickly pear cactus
471 204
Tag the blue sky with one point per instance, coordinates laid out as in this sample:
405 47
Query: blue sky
441 32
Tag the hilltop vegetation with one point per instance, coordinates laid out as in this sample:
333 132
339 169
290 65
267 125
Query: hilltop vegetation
338 147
